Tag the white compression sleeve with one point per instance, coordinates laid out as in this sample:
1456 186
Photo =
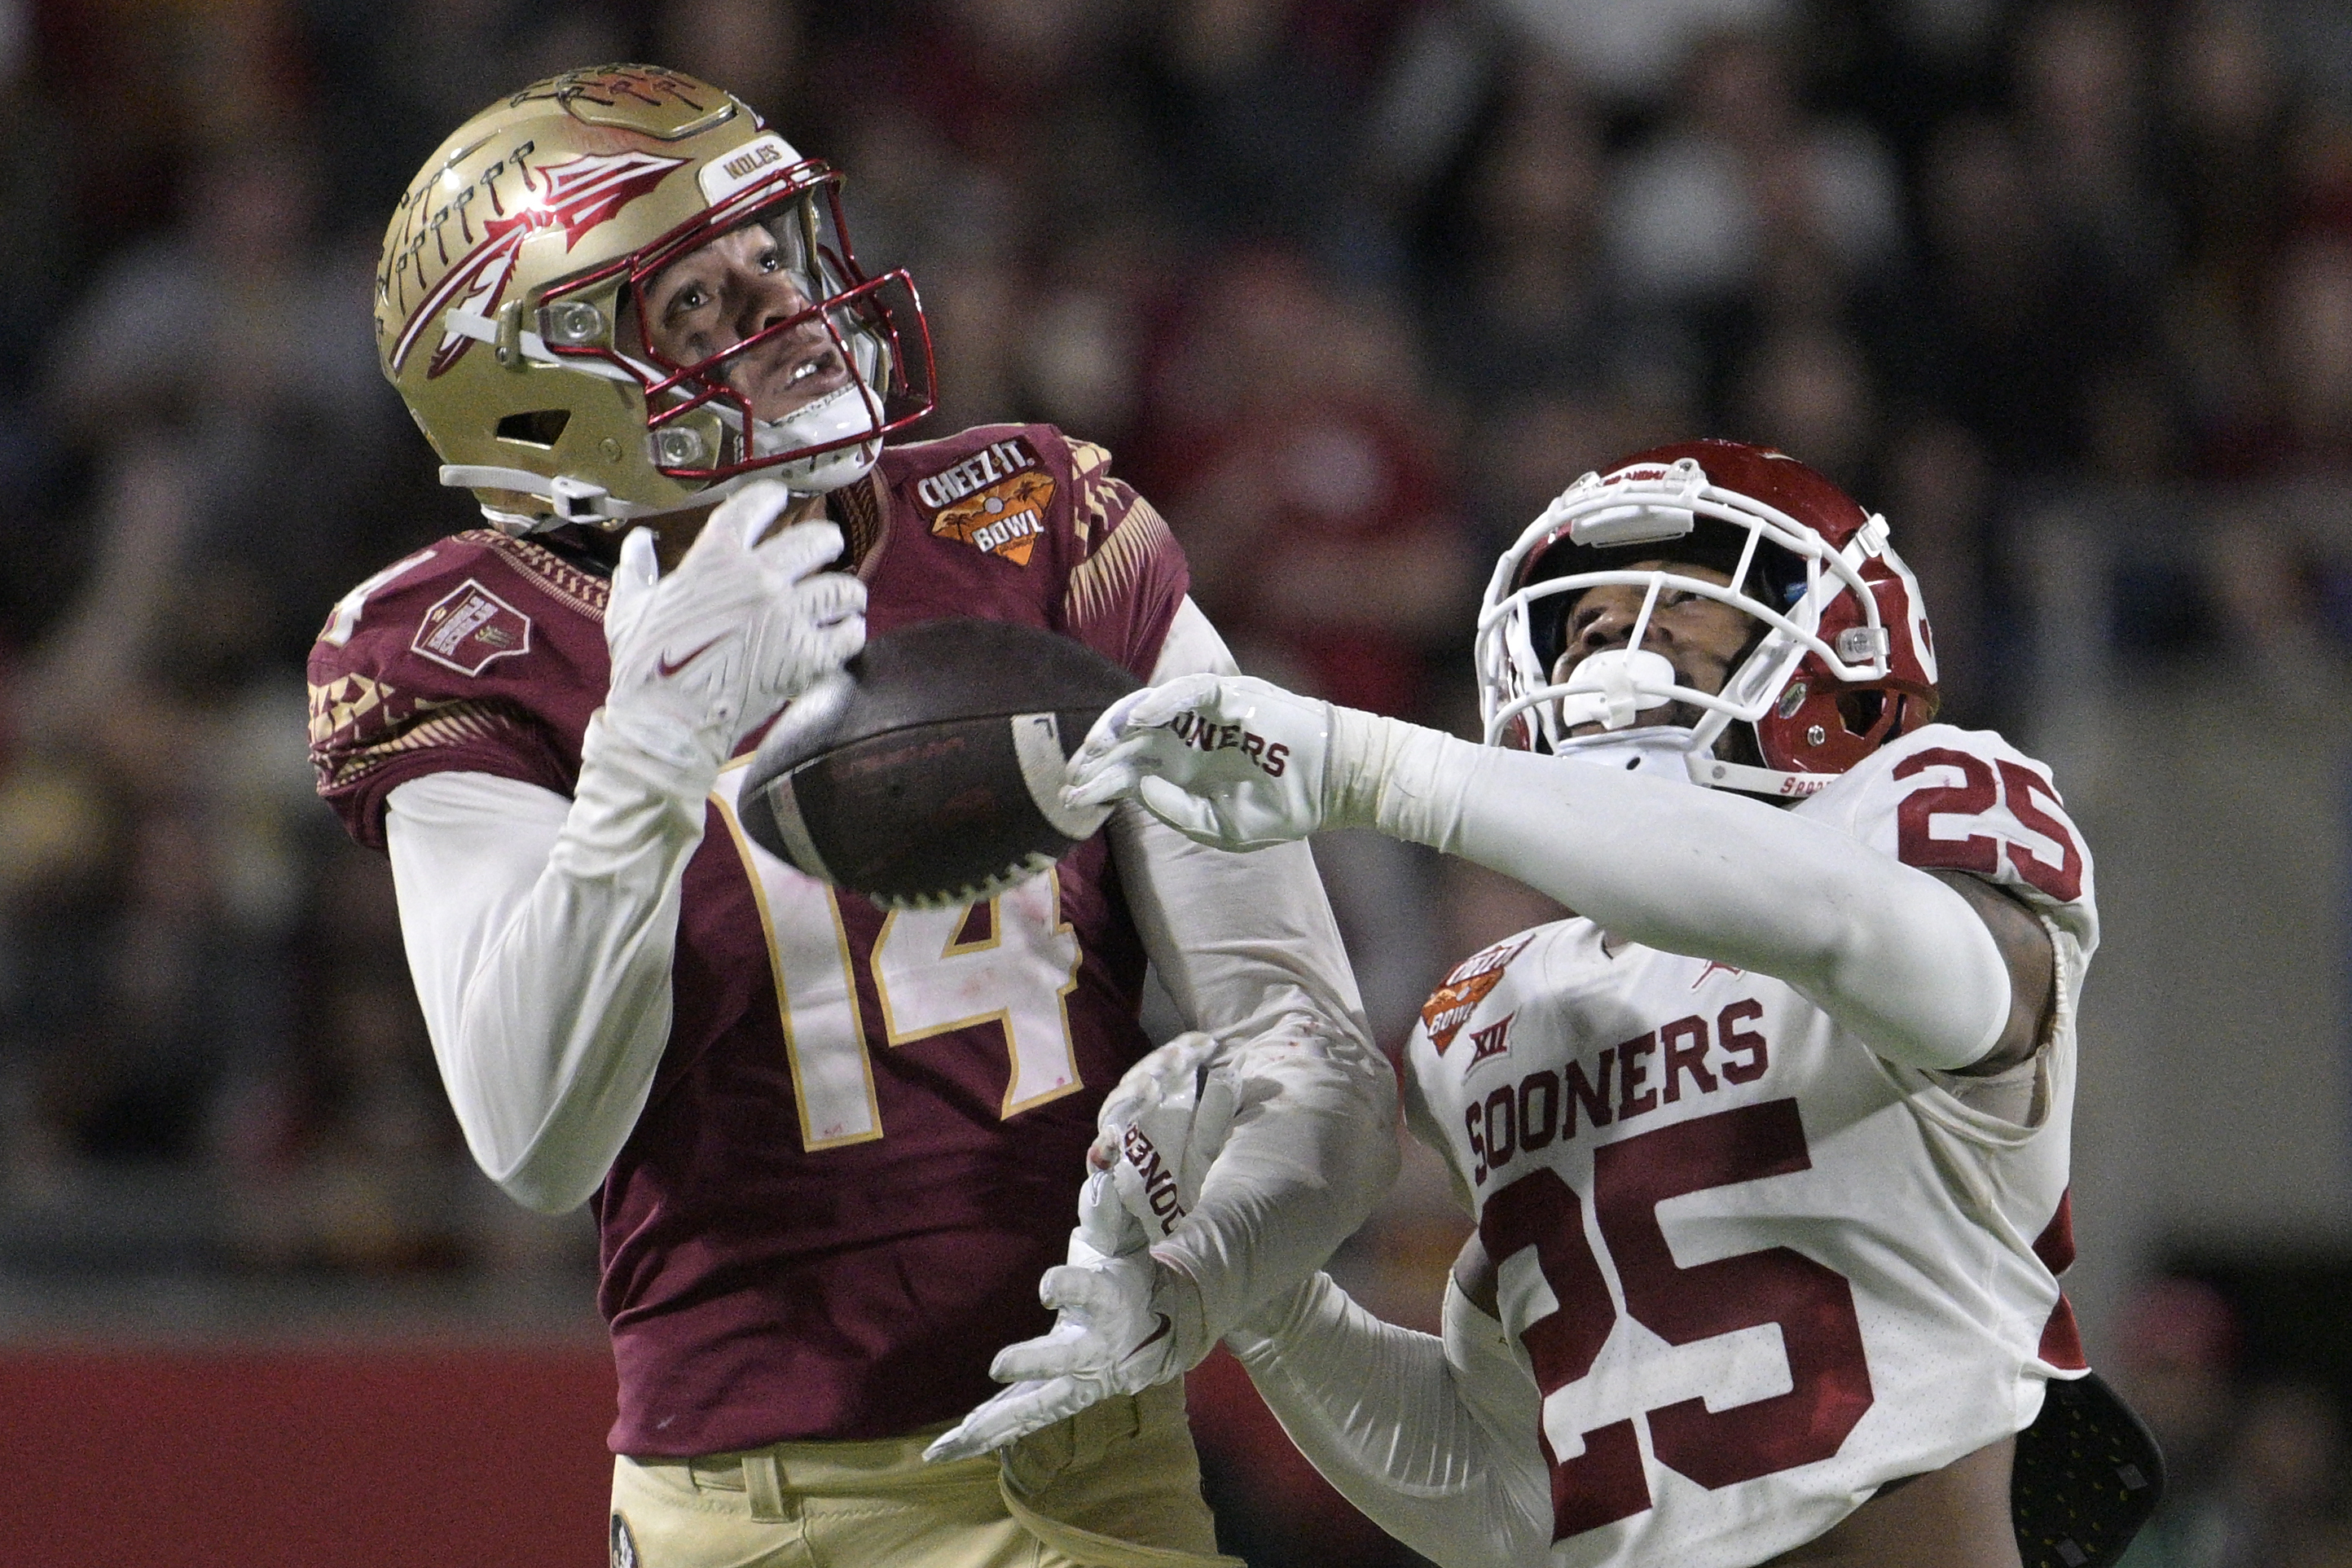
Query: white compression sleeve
1249 952
1888 951
1434 1440
540 933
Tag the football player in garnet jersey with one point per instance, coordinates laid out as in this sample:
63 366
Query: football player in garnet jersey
831 1149
1767 1144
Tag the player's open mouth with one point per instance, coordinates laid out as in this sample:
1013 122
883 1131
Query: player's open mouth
807 372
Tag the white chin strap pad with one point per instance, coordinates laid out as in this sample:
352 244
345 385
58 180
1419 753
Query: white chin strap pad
1654 751
1610 687
847 413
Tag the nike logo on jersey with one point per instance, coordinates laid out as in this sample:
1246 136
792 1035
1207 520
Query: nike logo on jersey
1167 1326
665 667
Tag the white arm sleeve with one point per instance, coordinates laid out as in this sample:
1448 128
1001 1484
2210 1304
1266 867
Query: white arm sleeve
541 933
1887 950
1247 948
1434 1440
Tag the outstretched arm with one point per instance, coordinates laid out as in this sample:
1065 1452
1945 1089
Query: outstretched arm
1249 952
1890 952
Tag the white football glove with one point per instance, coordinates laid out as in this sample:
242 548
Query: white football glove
1117 1333
1163 1126
1157 1134
1229 761
703 655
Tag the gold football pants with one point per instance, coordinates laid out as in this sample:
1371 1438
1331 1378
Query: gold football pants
1116 1486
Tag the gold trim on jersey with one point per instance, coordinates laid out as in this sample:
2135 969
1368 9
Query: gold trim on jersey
543 568
343 704
1092 515
1103 577
859 508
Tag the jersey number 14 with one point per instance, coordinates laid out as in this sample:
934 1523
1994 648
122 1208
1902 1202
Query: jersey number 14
930 977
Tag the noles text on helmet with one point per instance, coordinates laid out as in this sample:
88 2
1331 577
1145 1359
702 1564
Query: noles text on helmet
515 309
1837 658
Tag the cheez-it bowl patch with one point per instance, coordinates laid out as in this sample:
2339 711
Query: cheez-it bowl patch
995 500
1004 520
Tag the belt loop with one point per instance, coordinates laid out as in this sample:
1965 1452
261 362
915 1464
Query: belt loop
763 1483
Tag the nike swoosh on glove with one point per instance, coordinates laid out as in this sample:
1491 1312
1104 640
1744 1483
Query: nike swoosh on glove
1117 1332
739 628
1229 761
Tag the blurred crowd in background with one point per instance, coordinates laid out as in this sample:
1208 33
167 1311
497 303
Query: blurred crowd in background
1348 288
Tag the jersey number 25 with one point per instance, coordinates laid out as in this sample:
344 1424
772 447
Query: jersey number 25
1814 1305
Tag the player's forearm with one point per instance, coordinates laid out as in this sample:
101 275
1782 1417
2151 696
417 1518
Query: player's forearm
545 974
1248 950
1242 942
1381 1412
1312 1151
1888 951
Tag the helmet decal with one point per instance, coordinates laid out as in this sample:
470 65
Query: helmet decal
537 230
578 193
606 95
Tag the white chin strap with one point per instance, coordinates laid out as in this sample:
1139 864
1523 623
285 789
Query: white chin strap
851 411
1658 750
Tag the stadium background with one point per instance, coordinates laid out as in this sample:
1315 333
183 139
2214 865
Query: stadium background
1350 288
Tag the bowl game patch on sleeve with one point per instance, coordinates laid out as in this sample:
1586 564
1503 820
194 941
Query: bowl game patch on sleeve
1458 995
994 500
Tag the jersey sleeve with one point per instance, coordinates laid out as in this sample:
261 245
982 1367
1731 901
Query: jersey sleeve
1130 577
1951 799
445 661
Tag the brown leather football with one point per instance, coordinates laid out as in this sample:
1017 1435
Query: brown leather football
927 771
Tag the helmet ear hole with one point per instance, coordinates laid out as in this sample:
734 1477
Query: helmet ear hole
540 427
1863 713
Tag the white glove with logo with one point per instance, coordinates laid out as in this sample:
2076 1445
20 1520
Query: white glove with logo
1157 1133
739 628
1163 1126
1229 761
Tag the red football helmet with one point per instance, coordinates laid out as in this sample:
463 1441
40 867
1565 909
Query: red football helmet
1840 662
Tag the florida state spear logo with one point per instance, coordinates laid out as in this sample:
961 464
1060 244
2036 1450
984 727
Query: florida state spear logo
576 195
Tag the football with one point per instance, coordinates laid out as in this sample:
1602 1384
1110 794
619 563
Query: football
927 771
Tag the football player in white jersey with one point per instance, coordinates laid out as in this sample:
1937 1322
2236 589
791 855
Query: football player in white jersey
1767 1145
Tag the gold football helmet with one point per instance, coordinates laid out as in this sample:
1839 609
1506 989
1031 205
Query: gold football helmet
510 305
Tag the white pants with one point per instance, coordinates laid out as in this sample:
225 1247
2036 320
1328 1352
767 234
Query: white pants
1116 1486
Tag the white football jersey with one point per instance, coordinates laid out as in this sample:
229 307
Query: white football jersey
1756 1270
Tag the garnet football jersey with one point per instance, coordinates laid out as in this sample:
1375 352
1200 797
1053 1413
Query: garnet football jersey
1758 1270
865 1141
